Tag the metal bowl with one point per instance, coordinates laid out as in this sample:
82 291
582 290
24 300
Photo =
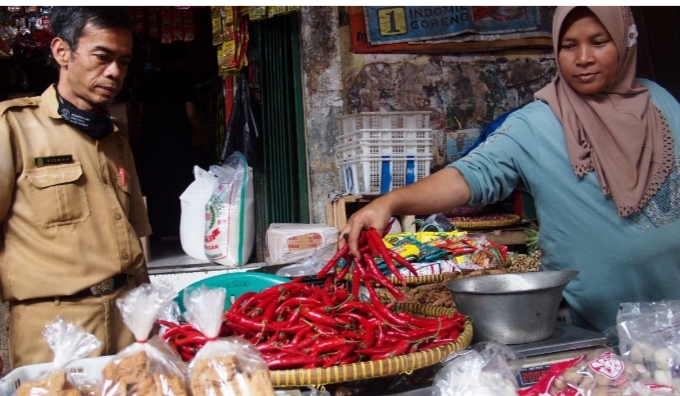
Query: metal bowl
511 308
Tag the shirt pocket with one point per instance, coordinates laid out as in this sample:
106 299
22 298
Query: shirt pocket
123 191
57 194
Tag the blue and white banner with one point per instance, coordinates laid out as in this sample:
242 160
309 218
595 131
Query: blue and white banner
386 25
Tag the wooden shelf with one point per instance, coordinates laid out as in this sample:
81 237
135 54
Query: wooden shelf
339 210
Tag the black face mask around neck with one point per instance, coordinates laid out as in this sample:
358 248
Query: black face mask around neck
96 125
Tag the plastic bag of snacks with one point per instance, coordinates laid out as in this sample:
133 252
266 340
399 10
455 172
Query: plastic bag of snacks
598 373
225 366
69 343
149 366
487 370
649 337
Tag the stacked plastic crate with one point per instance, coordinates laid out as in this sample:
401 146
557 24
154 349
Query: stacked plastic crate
379 152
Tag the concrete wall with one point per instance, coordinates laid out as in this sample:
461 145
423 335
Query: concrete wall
461 91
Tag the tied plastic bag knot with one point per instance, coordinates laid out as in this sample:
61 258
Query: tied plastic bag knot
223 366
69 343
150 364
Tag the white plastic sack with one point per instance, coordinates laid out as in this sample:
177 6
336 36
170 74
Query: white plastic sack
230 214
192 222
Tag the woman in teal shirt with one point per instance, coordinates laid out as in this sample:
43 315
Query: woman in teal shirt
597 152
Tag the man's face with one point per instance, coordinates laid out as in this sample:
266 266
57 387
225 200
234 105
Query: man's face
93 73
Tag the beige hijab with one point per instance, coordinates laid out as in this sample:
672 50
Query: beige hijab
617 133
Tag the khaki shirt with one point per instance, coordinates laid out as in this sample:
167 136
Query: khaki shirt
65 226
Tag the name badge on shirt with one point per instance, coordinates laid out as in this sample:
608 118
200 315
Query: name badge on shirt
55 160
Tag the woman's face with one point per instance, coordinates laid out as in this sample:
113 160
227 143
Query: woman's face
588 57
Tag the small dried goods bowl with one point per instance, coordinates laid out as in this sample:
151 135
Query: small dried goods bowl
513 308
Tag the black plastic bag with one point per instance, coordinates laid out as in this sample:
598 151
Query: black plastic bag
242 132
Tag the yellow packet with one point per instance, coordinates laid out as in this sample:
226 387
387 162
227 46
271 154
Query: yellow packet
229 14
275 10
428 236
409 252
256 13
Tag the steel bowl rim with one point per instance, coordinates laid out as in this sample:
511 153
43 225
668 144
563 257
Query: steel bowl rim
574 273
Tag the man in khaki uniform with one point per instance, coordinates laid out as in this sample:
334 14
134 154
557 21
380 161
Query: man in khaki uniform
71 210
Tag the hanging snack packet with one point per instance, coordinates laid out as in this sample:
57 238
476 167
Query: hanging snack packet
69 343
149 366
225 366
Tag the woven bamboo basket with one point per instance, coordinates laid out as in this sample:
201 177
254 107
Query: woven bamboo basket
422 279
481 225
379 368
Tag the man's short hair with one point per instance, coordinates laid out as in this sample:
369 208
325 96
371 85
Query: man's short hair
68 23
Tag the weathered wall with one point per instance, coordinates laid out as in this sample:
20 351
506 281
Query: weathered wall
461 91
322 79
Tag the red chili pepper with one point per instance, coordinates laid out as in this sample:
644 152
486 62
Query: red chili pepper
399 349
377 276
383 313
349 360
173 331
325 330
437 343
307 342
317 317
384 253
375 350
241 299
380 338
405 263
262 305
352 335
333 261
245 322
328 345
192 339
368 327
295 301
354 306
341 294
343 272
301 334
356 281
341 354
291 362
322 294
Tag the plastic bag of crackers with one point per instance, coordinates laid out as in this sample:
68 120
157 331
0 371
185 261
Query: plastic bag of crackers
598 373
69 343
149 367
223 366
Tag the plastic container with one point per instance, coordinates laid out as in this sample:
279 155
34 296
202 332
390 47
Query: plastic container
375 174
380 146
384 120
236 284
12 381
390 135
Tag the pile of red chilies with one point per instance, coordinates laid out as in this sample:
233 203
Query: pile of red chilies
295 325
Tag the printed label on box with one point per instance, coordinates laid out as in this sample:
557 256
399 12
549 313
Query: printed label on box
304 242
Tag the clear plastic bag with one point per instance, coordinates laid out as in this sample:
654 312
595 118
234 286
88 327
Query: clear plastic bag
149 366
649 337
487 370
598 373
69 343
311 266
224 366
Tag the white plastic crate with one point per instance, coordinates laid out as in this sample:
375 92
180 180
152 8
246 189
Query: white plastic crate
383 147
12 381
367 175
387 134
384 120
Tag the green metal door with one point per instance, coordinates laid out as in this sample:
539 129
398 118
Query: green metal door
281 186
